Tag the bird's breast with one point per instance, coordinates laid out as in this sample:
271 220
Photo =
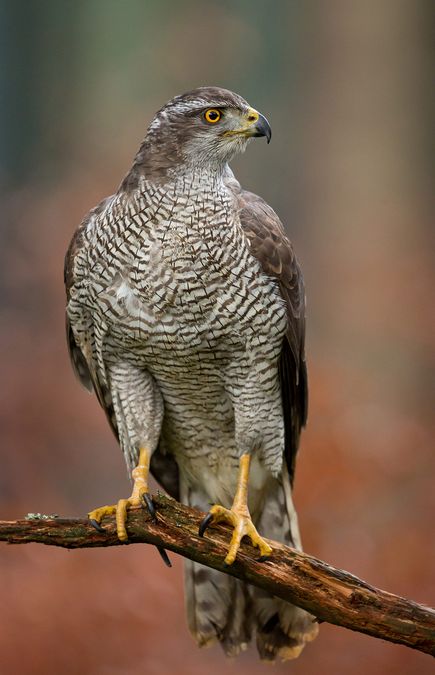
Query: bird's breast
184 276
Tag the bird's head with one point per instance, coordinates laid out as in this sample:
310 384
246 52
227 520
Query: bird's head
203 128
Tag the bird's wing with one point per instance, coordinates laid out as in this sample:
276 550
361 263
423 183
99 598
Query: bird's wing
163 467
85 365
270 245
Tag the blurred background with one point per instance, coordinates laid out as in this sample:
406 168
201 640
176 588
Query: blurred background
346 87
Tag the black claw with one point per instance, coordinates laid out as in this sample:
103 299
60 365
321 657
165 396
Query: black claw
263 558
164 556
97 525
150 506
204 524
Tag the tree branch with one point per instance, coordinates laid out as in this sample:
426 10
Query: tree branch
330 594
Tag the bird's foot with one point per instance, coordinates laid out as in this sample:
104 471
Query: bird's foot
139 497
240 519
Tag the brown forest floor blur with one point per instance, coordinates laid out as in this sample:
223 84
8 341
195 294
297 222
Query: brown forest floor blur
345 86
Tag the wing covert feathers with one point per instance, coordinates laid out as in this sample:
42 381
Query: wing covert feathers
272 248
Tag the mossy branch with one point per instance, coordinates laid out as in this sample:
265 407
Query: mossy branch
330 594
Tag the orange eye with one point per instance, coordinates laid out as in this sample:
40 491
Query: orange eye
212 116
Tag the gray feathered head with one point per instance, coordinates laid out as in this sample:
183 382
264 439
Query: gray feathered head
205 127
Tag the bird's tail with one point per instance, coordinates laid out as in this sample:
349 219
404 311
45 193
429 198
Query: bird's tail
282 629
217 605
226 610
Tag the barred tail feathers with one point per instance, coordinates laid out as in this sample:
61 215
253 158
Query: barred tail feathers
225 610
216 604
282 629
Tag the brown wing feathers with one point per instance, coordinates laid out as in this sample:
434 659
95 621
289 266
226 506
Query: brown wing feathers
270 245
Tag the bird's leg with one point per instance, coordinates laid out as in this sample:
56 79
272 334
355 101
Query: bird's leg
139 495
238 516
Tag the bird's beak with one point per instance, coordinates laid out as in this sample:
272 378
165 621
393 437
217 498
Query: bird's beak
254 125
261 128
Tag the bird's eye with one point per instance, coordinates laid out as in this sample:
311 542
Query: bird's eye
212 115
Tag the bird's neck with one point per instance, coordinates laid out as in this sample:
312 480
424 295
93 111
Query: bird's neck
164 165
198 179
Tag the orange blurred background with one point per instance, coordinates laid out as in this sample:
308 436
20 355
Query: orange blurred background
346 89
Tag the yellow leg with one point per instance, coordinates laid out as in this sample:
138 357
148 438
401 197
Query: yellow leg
139 495
238 516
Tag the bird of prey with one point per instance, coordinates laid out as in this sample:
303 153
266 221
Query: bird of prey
185 316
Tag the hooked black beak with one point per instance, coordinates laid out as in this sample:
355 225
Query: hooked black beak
262 128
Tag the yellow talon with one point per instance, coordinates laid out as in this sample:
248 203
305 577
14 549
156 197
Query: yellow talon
98 514
239 517
140 492
243 526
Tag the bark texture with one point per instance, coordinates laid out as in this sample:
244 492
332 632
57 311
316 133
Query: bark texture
332 595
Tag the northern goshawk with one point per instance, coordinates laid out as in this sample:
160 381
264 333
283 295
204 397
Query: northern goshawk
185 316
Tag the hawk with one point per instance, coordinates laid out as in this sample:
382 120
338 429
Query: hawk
185 316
